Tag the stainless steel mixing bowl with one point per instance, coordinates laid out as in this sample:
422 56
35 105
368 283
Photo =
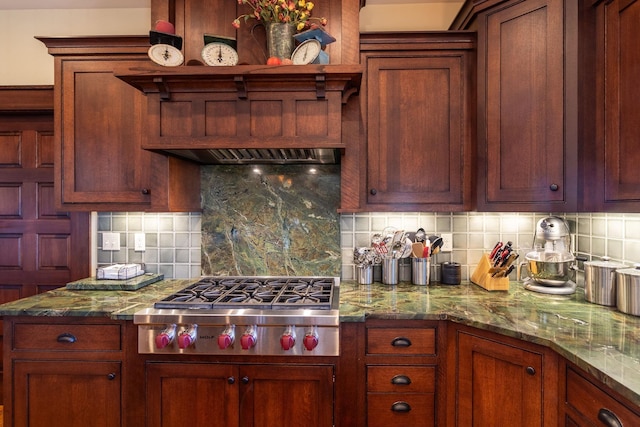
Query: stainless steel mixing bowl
550 268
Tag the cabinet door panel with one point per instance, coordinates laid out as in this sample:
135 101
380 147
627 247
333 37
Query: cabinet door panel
100 153
276 396
525 140
415 130
622 110
66 394
498 384
196 395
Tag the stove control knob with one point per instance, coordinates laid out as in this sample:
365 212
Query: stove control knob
249 338
227 337
165 337
188 336
310 340
288 338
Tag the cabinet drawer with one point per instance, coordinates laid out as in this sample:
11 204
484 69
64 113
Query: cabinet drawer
401 341
401 379
398 409
589 400
65 337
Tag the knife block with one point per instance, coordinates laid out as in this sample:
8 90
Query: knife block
482 277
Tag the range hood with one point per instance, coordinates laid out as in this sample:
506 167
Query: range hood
241 156
249 113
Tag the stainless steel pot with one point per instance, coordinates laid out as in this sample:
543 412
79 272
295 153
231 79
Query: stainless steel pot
600 281
550 268
628 290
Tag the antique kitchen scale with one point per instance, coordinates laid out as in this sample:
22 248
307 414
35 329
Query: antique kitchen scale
166 47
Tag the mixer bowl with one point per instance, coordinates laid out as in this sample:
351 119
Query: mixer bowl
550 268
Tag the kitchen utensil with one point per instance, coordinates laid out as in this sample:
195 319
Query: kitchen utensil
417 249
420 269
420 235
628 290
600 281
550 268
436 243
495 249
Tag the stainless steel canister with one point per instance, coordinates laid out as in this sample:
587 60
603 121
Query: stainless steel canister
365 274
420 270
390 271
404 269
600 281
628 295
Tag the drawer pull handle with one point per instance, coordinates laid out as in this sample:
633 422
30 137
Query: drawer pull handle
608 418
531 370
66 337
401 380
401 342
401 407
111 376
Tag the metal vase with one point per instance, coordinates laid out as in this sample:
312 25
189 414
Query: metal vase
280 39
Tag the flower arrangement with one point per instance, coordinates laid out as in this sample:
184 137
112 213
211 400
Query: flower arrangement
297 12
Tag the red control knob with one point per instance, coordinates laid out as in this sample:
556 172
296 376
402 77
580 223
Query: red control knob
162 340
310 341
184 341
227 337
247 341
249 337
287 341
165 337
187 337
224 341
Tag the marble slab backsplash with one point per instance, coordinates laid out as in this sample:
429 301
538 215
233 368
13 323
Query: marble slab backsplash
271 220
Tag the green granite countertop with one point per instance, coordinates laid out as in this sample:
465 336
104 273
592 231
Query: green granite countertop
599 339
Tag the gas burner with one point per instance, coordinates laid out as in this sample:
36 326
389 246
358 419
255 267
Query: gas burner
263 293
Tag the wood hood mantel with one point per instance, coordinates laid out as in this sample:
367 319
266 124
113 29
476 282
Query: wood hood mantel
253 113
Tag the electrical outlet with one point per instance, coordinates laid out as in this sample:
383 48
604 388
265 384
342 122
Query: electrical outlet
139 242
111 241
447 242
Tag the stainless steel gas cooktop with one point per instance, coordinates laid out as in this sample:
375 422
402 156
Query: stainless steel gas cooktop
245 315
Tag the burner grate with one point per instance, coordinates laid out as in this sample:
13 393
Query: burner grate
262 293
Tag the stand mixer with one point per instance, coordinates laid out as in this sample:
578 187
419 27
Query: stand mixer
551 263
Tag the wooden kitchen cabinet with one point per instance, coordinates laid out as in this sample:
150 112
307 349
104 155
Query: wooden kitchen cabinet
402 365
63 372
614 178
99 163
417 104
589 403
199 394
500 381
527 107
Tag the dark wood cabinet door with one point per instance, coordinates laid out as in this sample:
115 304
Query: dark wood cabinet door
204 394
65 393
286 395
101 117
618 182
191 394
500 384
526 113
99 163
418 132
